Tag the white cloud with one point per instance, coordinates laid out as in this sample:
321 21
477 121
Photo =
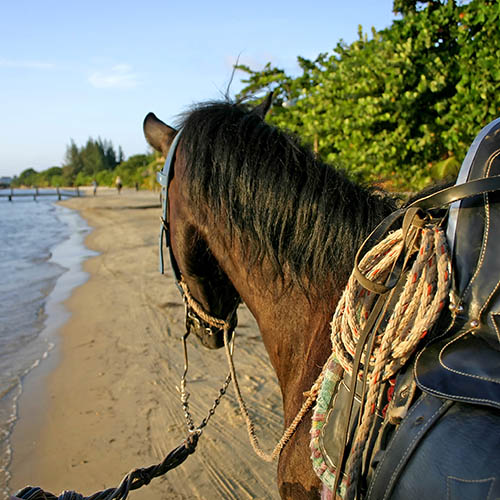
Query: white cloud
9 63
119 76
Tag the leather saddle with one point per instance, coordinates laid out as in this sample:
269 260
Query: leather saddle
450 391
464 365
448 444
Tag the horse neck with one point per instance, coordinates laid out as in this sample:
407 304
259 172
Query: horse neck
295 330
296 335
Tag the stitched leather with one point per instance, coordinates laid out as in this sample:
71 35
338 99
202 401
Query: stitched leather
422 415
457 454
465 365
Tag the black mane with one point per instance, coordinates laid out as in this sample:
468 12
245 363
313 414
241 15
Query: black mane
305 217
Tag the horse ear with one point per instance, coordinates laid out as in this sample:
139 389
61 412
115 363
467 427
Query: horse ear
158 134
264 106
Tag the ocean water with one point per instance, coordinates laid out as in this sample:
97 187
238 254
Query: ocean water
41 255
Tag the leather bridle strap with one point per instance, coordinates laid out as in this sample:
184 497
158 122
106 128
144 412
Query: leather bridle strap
164 177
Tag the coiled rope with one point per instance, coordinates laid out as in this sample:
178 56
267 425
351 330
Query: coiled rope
417 308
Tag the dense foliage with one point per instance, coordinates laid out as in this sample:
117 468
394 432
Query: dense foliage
402 107
30 177
83 164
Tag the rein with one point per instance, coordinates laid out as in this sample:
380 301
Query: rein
192 303
288 433
193 306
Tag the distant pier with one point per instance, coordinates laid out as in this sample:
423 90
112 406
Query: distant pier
36 193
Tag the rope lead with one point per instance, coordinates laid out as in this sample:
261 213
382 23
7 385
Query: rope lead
132 481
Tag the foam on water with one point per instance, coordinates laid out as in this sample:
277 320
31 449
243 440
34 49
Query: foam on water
41 253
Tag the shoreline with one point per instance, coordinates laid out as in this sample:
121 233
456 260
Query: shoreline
41 351
108 402
70 254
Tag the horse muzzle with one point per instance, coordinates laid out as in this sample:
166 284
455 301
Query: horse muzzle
210 336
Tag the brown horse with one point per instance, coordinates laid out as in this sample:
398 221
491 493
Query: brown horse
254 215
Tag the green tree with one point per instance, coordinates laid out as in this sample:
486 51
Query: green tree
476 100
402 106
287 91
50 177
28 177
121 156
84 164
105 178
131 170
72 164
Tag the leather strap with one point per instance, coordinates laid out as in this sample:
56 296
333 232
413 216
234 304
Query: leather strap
374 319
412 216
458 192
164 177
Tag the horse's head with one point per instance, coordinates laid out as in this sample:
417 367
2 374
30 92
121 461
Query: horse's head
211 300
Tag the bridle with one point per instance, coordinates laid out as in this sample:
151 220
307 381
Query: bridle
196 315
164 177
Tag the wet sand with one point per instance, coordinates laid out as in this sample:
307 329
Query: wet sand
107 401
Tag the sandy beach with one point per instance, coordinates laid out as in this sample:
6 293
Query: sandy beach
106 401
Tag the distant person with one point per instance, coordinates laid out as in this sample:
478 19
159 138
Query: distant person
94 186
118 183
137 186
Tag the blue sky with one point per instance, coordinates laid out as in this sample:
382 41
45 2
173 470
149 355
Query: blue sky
77 69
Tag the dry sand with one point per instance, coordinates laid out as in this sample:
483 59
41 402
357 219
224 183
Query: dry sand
107 401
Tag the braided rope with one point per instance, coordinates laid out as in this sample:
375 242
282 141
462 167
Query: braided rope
417 308
198 309
288 433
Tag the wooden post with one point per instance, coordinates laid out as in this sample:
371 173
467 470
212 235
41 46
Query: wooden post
11 194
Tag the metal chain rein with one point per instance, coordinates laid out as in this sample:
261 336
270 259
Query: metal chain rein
185 394
142 476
